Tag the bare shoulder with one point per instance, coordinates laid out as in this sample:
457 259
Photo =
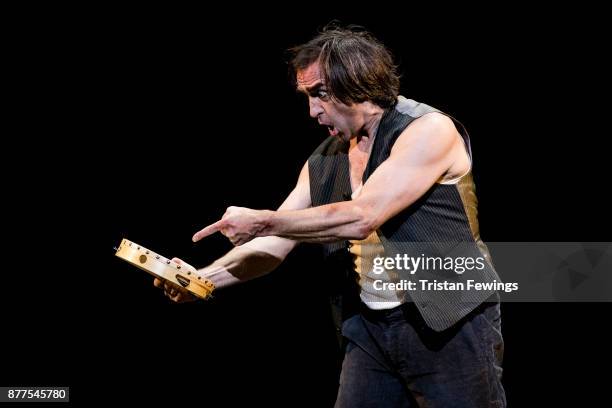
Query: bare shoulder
299 198
432 124
433 131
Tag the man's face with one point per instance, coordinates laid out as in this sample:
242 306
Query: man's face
341 120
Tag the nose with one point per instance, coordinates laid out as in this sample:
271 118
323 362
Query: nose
315 107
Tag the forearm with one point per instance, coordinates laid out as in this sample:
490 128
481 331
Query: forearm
326 223
248 261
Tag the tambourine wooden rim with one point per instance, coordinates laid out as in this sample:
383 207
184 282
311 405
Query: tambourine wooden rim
164 268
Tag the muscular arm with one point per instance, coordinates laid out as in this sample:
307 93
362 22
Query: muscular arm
420 156
262 254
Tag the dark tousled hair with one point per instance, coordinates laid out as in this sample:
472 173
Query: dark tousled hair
356 66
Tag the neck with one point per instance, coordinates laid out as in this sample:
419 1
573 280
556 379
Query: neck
372 116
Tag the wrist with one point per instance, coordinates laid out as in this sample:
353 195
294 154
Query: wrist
218 274
269 219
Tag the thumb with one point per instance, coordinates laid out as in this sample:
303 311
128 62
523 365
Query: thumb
185 264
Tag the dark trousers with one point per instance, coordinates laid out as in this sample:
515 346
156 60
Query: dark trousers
393 359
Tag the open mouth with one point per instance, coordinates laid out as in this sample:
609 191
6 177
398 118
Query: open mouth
333 131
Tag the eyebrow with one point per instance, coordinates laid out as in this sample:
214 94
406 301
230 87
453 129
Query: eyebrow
310 89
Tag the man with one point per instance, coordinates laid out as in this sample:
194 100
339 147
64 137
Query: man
392 179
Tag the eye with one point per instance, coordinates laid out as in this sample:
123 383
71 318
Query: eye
322 94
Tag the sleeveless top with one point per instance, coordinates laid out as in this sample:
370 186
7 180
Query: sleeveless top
440 225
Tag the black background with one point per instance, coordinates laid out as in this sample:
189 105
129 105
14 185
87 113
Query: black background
148 123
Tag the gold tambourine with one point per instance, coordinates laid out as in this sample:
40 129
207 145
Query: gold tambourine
164 268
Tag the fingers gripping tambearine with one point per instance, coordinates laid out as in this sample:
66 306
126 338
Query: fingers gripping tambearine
164 268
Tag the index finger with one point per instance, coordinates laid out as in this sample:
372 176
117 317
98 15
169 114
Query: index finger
206 231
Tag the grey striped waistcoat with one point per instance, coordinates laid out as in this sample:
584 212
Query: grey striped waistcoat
441 223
